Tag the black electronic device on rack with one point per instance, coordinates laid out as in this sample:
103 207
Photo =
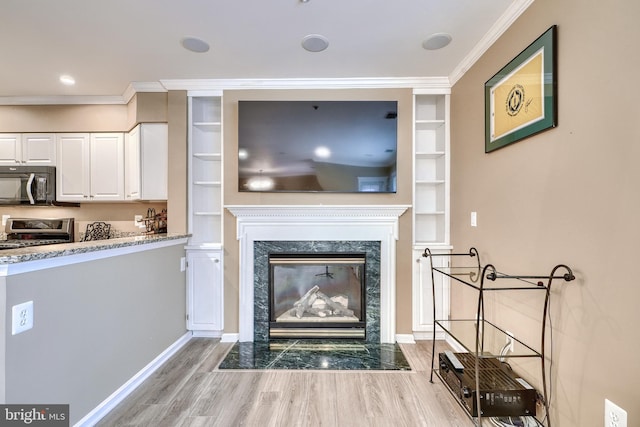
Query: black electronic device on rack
501 392
477 377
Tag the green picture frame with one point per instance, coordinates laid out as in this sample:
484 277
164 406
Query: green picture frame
521 98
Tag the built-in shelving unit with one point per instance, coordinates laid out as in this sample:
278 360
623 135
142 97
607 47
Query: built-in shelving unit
483 342
431 169
430 203
204 253
205 158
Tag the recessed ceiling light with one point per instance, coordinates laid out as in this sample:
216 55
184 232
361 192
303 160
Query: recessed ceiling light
66 79
315 43
322 152
195 45
436 41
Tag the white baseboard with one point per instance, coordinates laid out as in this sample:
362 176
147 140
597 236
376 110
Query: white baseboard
120 394
428 335
230 337
405 339
207 334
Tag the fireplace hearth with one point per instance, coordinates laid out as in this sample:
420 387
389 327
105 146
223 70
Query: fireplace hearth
317 295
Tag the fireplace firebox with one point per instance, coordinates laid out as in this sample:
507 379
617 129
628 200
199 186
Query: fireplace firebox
315 295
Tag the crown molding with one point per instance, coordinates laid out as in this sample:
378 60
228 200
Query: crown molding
437 83
137 87
61 100
514 11
430 84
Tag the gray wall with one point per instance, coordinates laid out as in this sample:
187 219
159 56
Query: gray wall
568 195
96 324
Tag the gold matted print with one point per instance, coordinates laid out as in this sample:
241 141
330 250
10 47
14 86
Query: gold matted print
520 100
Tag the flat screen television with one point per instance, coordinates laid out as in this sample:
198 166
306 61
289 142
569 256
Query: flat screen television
317 146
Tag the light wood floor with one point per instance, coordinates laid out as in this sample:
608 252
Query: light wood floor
189 391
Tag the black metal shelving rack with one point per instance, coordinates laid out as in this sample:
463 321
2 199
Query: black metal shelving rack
487 279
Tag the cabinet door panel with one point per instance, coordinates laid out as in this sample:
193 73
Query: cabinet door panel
205 291
107 166
154 164
10 149
39 149
72 171
423 302
132 165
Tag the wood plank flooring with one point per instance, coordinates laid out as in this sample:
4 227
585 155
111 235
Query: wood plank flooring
189 391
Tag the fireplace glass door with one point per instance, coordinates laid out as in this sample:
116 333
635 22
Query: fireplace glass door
317 295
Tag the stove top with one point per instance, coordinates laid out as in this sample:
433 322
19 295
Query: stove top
28 232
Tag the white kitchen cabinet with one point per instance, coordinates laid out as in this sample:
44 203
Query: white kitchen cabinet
28 149
90 167
146 162
205 315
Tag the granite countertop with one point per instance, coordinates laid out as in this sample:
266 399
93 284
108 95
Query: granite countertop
34 253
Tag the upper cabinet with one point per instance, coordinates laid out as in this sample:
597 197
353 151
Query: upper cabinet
205 170
28 149
431 169
146 162
90 167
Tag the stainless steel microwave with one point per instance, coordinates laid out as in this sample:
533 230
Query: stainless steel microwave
27 185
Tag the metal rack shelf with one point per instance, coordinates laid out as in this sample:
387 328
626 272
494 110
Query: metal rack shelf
476 335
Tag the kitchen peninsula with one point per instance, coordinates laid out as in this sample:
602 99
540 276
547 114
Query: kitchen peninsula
103 313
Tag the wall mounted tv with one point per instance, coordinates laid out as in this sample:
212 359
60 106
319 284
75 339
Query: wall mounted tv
317 146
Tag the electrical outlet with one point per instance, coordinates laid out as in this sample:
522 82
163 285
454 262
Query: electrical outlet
4 219
137 219
21 317
474 219
614 416
510 342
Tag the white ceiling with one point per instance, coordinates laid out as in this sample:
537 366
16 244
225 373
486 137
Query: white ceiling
108 44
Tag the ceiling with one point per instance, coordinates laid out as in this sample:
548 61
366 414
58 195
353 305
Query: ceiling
107 45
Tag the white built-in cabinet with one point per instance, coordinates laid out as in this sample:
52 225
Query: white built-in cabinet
204 251
146 162
431 184
90 167
204 294
38 149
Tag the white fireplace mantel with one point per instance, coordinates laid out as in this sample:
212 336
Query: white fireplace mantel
315 223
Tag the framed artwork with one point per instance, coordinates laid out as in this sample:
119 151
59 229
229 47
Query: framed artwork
521 98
